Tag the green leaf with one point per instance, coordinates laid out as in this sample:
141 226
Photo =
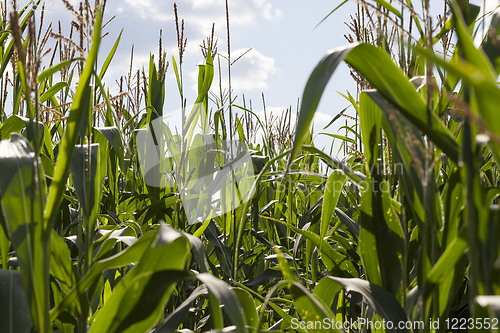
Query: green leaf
381 238
205 78
370 117
22 196
473 55
110 56
61 266
78 113
453 252
14 307
112 133
379 69
226 297
380 300
128 256
84 168
333 189
248 308
177 76
326 290
337 263
52 91
198 251
52 70
312 94
137 302
156 90
309 308
13 124
389 7
4 241
172 322
340 137
489 45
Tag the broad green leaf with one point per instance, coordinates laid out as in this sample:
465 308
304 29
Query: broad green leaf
380 300
198 251
4 241
381 238
248 308
309 308
126 257
137 302
112 133
14 307
52 91
49 72
84 168
61 266
473 55
389 7
174 319
312 94
454 251
156 90
335 261
13 124
22 199
200 110
333 189
326 290
370 117
226 297
379 69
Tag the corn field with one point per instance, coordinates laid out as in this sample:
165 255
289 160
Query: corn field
113 222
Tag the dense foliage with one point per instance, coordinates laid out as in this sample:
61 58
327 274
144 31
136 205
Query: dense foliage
405 228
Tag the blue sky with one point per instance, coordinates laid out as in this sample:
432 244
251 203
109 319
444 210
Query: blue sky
285 48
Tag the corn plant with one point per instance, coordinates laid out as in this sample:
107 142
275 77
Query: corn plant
113 222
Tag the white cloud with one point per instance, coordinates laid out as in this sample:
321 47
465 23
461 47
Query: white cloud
241 11
322 118
203 12
148 9
250 72
199 16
